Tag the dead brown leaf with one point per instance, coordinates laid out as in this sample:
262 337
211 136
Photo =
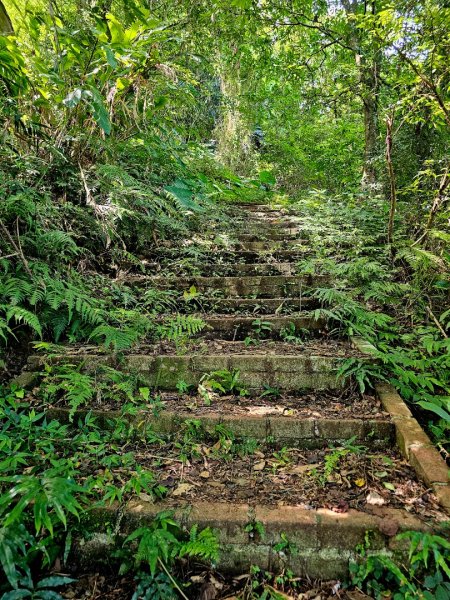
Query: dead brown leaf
183 488
375 499
300 469
259 466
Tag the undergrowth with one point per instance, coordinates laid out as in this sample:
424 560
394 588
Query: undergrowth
398 303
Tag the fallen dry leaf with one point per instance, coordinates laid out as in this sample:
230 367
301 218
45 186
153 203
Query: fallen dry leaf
375 499
340 507
300 469
357 595
216 484
264 410
204 474
183 488
259 466
241 481
208 592
279 594
146 497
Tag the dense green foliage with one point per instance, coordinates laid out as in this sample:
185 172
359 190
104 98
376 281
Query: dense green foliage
126 125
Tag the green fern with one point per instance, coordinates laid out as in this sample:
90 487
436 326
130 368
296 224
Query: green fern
22 315
15 290
203 545
180 327
362 372
68 384
162 543
114 338
159 301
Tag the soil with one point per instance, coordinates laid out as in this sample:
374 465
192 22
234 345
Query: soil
204 585
339 404
315 347
337 479
348 405
331 348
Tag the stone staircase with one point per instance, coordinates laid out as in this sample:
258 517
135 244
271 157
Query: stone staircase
306 414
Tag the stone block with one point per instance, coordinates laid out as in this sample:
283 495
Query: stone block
391 401
290 429
26 380
299 525
442 493
409 433
428 464
246 427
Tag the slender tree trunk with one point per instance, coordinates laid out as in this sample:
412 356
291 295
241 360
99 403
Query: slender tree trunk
393 198
234 147
6 27
368 65
438 202
370 101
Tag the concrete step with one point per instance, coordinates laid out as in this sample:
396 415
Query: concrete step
165 256
288 367
272 246
258 208
249 270
262 424
325 540
265 228
257 286
228 269
261 306
239 327
271 236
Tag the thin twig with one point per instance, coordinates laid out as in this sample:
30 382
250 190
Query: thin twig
174 583
438 325
89 200
17 248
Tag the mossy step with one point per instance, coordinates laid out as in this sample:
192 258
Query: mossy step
306 433
256 286
249 270
325 541
238 327
263 228
263 306
262 208
228 269
270 236
217 256
289 372
270 246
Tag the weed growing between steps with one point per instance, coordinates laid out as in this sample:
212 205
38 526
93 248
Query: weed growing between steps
107 389
398 302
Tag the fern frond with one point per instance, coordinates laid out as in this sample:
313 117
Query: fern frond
21 315
80 389
180 326
115 339
203 545
15 290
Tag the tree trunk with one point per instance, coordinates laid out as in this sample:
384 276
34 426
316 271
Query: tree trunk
368 64
369 79
6 27
393 198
